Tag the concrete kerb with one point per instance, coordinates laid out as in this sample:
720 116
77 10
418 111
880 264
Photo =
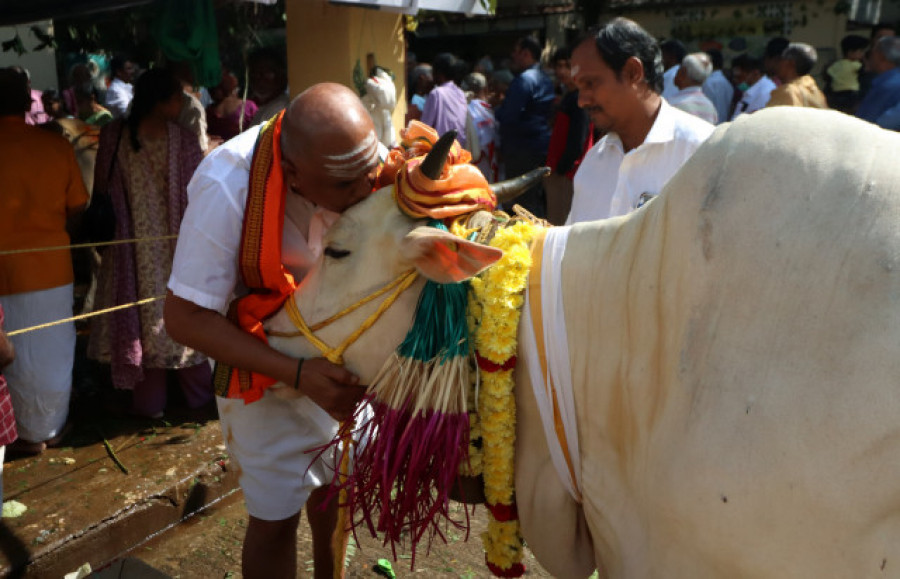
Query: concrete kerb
90 511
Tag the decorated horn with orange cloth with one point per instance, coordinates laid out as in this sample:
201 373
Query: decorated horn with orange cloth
452 187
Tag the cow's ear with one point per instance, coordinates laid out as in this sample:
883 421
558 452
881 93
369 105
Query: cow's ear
445 258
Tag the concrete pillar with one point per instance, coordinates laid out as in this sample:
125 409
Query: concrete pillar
325 41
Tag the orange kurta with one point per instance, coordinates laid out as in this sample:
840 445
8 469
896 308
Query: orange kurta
39 182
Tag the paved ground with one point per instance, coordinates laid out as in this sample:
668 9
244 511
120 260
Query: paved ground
163 492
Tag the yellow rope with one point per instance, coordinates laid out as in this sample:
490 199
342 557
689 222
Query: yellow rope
342 529
85 316
335 355
84 245
344 312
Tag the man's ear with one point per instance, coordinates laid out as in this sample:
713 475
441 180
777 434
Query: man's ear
633 71
445 258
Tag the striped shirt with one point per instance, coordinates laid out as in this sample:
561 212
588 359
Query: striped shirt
8 432
692 101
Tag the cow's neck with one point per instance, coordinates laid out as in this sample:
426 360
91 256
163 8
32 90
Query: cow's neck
619 294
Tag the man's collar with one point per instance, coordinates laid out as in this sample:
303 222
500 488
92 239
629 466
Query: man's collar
663 129
760 84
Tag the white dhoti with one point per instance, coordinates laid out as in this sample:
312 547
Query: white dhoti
40 378
274 443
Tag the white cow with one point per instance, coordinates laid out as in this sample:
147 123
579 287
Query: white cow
735 350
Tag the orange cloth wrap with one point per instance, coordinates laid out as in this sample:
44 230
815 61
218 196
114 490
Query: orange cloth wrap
261 268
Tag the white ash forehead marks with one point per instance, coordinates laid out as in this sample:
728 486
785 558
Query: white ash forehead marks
350 164
575 70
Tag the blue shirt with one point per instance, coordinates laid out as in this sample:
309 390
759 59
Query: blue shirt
883 94
890 119
719 90
524 115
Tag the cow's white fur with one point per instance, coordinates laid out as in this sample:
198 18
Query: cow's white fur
735 347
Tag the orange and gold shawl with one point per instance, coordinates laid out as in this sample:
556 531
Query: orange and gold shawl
261 269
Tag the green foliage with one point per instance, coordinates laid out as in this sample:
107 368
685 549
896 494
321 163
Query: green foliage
15 44
489 5
242 27
47 41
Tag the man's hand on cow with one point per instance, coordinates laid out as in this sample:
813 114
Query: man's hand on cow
334 388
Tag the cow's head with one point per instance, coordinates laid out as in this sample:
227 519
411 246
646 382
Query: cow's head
372 244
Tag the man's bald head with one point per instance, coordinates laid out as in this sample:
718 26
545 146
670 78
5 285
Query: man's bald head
328 121
328 146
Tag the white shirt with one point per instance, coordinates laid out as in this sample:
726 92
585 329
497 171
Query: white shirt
609 181
205 268
481 137
720 91
118 97
669 87
755 98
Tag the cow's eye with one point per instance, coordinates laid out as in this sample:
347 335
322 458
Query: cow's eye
336 253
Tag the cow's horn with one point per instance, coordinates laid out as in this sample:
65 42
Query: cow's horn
511 188
433 165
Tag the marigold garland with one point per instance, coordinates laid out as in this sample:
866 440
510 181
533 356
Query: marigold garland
495 303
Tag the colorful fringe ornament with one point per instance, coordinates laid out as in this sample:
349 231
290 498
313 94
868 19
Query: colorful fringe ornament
411 447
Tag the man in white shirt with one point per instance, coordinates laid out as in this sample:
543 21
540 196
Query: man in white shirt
120 91
296 173
748 75
695 69
619 79
718 88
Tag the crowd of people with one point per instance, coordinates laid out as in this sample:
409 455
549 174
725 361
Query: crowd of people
522 111
614 116
153 133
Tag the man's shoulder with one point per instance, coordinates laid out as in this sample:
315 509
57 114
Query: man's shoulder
534 75
717 81
52 142
690 128
891 79
765 85
234 154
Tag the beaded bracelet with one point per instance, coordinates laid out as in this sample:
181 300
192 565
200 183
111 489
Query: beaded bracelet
297 377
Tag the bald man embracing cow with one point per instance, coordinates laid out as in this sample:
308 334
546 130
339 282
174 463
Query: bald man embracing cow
259 206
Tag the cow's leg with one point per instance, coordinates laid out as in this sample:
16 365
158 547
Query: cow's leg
553 524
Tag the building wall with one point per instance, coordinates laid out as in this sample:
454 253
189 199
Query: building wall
747 27
326 41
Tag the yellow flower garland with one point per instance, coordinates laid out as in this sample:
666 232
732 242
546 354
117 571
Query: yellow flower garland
495 303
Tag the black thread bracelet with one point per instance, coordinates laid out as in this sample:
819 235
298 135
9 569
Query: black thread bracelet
297 377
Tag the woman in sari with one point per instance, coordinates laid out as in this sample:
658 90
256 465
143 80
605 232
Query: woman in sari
229 114
144 163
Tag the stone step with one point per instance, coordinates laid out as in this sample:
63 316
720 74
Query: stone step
83 507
